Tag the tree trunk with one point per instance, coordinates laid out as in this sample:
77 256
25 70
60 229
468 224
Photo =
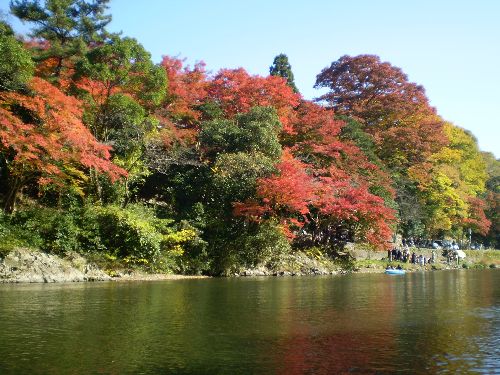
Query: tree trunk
127 194
10 200
59 66
96 185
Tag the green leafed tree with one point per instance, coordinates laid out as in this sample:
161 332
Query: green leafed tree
121 86
256 131
16 66
121 65
282 68
492 211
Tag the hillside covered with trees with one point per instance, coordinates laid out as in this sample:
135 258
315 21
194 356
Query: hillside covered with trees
169 166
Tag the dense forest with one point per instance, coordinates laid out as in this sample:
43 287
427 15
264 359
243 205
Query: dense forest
181 170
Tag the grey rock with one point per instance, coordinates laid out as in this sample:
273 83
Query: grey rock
30 266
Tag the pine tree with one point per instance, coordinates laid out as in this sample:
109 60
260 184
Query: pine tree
69 27
282 68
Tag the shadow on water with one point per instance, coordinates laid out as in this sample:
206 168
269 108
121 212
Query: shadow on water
441 322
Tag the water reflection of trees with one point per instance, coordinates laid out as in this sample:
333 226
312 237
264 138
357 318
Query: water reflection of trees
420 323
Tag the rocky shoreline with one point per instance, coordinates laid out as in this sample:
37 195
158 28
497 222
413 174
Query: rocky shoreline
29 266
32 266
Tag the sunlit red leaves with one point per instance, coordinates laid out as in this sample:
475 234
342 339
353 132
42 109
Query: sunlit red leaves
291 188
285 195
187 89
292 193
53 138
395 111
317 141
476 217
314 124
236 92
345 202
99 91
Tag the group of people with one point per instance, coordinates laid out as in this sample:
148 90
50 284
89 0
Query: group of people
405 256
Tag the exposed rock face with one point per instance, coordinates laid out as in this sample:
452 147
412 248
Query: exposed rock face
296 264
28 266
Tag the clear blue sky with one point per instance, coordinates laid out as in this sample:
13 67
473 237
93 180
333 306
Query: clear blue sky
451 47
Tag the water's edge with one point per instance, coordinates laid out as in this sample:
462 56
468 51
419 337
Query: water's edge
33 266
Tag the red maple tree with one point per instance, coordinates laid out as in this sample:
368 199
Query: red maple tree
236 91
43 136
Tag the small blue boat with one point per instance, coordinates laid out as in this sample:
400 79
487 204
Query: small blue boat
395 272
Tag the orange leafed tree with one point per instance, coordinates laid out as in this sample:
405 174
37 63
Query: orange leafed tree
394 110
344 209
477 219
321 195
284 196
236 91
43 138
187 89
317 141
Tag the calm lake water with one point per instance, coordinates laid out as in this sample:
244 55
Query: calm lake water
420 323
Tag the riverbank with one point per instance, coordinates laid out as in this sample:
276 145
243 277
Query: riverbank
23 265
373 262
362 260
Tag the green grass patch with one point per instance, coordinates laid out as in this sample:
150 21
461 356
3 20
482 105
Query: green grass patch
373 263
486 257
437 266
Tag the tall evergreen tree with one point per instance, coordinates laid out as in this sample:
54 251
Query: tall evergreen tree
281 67
69 27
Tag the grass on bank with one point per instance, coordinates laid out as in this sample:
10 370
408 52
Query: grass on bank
476 259
383 264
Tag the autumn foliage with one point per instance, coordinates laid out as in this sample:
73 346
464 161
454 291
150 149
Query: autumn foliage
236 92
395 111
44 137
286 196
187 89
242 161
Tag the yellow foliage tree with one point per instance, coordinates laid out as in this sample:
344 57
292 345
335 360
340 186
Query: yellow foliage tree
449 180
